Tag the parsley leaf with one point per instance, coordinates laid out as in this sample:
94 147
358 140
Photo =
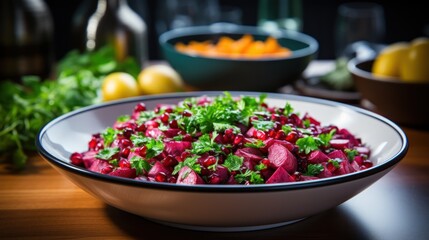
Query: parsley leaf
140 164
314 169
191 162
326 137
107 153
308 144
233 162
109 136
263 125
351 153
251 176
205 143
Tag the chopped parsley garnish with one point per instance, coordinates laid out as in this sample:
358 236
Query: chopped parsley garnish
140 164
233 162
314 169
191 162
107 153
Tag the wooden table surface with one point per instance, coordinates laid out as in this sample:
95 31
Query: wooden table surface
40 203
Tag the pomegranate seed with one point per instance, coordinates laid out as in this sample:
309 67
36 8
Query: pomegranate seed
141 128
124 163
264 105
140 107
92 144
165 117
272 133
76 159
225 150
186 113
161 177
292 137
169 161
259 135
296 176
214 179
141 151
185 155
127 132
280 135
125 152
274 117
283 120
173 124
238 139
210 160
125 142
151 124
266 162
107 169
168 109
99 146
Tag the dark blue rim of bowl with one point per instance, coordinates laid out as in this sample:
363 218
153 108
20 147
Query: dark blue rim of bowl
218 29
224 188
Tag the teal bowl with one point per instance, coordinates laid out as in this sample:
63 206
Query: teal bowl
265 74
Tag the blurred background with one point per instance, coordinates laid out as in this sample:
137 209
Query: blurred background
403 20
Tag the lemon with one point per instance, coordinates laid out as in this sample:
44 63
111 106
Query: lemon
119 85
157 79
415 66
389 60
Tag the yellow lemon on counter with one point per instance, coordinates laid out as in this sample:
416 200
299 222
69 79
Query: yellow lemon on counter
157 79
119 85
415 66
389 60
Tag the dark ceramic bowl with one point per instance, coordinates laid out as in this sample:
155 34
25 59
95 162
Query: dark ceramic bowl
402 102
268 74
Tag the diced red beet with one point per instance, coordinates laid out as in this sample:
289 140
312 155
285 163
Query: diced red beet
338 154
280 156
222 173
88 158
231 180
157 168
98 165
175 148
340 143
154 133
359 160
250 132
271 141
307 178
363 150
188 176
124 172
325 173
280 175
317 156
354 166
251 153
344 168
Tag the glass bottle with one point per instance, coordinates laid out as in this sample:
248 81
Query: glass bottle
280 14
26 42
115 23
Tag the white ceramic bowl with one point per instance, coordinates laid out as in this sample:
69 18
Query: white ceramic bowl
223 207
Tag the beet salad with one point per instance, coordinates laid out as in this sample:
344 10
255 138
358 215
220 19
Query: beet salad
222 140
